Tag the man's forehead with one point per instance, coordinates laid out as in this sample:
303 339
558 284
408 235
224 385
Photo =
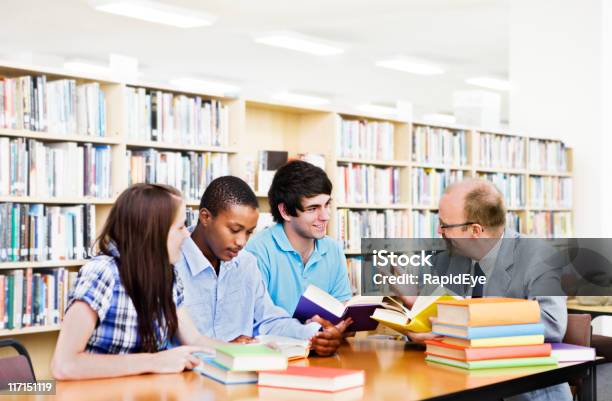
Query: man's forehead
320 199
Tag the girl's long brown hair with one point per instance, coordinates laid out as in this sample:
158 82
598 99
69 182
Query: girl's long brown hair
138 226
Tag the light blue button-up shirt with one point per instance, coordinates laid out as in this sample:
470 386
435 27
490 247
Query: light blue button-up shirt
285 275
235 302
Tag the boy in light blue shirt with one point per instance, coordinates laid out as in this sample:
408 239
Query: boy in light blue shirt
223 288
295 252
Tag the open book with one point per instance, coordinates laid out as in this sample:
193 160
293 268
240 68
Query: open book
292 348
416 319
315 301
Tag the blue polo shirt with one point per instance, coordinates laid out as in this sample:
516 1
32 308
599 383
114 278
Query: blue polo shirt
285 275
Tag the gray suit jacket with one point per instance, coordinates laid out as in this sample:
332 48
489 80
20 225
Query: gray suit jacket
521 271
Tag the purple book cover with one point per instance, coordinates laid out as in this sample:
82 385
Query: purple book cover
572 353
359 313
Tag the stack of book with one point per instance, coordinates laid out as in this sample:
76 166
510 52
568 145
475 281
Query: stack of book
489 333
238 364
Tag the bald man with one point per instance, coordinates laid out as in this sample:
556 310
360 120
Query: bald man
514 267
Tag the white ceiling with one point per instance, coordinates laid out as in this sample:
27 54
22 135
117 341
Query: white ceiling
467 37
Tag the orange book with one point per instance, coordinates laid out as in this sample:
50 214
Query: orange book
461 353
488 311
312 378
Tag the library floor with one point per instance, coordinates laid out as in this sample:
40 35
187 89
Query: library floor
604 384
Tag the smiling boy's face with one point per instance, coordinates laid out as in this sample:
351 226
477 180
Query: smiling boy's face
228 232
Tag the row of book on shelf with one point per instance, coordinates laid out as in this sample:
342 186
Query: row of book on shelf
61 106
428 184
153 115
360 139
439 146
501 151
65 169
189 172
352 225
362 183
37 232
34 297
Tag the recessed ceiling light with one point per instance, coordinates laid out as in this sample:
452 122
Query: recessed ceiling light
489 83
87 67
154 11
411 66
378 109
298 42
307 100
209 87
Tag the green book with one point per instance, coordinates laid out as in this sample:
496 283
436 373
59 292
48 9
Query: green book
10 286
246 357
494 363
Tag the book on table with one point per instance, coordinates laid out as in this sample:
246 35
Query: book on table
417 318
495 341
209 368
291 348
463 353
313 378
488 311
244 357
494 363
501 330
572 353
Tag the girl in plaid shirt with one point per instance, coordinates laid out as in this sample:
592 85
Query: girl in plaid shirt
126 304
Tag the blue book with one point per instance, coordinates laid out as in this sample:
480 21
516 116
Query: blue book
209 368
508 330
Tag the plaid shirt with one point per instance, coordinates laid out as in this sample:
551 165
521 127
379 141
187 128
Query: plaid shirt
99 285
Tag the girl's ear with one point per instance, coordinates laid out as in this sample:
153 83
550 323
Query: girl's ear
205 216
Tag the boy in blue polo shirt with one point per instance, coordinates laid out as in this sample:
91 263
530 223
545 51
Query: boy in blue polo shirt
295 252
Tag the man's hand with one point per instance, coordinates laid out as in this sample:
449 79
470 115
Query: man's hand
242 339
326 342
421 337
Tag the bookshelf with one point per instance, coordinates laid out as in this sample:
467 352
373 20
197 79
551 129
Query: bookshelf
254 125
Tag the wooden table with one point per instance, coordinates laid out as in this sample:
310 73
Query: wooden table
392 373
594 310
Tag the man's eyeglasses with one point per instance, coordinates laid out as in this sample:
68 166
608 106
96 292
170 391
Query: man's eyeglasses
445 226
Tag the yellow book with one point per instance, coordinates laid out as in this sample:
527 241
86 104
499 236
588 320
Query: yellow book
415 319
495 341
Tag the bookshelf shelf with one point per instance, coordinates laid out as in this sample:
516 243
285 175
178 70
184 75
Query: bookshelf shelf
172 146
383 163
424 207
42 264
501 170
550 209
371 206
56 201
550 174
254 126
29 330
441 166
52 137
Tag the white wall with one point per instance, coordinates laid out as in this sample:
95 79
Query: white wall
557 70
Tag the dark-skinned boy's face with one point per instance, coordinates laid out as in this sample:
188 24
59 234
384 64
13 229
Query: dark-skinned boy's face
228 232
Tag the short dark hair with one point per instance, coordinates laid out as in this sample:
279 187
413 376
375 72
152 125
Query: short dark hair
292 182
227 191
